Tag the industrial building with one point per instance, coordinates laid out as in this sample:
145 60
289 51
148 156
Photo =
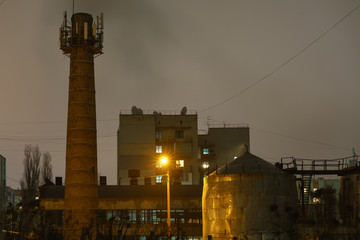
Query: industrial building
145 136
247 197
350 200
10 197
139 199
140 209
222 144
230 203
2 186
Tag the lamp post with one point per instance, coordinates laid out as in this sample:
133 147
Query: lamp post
164 161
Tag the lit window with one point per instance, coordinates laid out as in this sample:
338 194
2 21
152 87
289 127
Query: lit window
158 179
205 165
158 134
206 151
180 163
158 149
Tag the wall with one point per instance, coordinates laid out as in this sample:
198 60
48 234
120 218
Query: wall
139 135
2 186
226 142
136 144
117 200
185 148
350 200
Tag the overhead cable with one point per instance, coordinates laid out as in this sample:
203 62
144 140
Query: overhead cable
281 65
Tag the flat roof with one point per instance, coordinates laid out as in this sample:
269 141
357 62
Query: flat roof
159 112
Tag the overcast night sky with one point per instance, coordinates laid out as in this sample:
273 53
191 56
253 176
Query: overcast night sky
229 60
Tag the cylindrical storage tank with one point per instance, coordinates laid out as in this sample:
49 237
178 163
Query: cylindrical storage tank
249 199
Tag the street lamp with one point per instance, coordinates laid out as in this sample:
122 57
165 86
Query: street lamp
165 162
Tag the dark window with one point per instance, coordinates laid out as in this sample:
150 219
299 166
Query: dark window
156 216
158 134
147 180
134 173
179 134
133 181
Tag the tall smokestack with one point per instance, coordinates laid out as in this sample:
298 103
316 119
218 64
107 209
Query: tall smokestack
81 41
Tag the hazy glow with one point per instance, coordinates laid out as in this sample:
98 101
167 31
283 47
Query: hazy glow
205 165
164 160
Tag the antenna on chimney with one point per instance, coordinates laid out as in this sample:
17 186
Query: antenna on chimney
64 19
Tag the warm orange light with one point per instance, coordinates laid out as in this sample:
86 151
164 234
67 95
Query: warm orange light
205 165
164 160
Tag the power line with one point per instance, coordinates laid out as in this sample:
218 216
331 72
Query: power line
48 122
42 138
300 139
55 151
282 65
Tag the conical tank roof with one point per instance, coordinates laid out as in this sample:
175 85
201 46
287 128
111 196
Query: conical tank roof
247 163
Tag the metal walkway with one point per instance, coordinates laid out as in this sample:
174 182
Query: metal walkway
339 166
306 168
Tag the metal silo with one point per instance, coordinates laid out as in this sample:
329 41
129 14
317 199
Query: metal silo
249 198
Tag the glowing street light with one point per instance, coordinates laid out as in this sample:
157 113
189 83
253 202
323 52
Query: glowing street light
165 162
205 165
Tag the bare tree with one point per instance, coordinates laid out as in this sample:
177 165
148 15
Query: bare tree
29 185
30 181
46 169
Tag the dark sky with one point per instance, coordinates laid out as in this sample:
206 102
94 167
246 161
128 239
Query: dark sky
163 55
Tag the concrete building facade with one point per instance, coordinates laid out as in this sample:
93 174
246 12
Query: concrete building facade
10 197
350 200
137 212
2 185
222 144
146 137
